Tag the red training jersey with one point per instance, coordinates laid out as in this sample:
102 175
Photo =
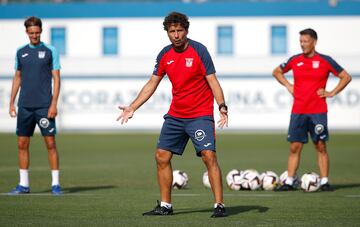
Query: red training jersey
191 94
310 74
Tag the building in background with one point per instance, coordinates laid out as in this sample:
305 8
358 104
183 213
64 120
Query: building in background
109 49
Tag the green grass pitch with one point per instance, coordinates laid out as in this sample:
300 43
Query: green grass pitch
110 179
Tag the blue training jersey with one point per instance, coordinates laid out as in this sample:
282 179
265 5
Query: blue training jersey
36 64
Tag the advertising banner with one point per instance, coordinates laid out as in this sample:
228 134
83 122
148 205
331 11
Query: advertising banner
259 103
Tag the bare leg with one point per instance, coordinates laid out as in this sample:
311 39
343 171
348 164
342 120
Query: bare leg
23 152
294 158
53 155
214 172
164 174
323 158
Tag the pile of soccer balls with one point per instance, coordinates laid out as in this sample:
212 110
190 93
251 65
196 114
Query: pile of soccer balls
251 180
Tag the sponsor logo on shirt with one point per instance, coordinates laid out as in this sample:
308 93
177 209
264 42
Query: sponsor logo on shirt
189 62
315 64
41 54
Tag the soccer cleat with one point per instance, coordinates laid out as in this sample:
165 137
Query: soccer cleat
159 210
56 190
285 187
219 211
326 188
19 190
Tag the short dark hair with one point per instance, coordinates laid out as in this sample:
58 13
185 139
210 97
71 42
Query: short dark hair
176 18
309 31
33 21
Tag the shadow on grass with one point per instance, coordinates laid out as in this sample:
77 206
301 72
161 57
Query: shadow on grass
344 186
231 210
84 188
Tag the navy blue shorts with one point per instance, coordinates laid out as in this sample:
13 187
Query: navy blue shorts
302 124
175 134
27 119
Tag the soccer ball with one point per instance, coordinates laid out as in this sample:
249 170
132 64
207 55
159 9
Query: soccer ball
205 180
310 182
250 180
283 177
233 179
180 179
269 180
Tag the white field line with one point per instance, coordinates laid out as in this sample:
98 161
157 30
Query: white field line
50 195
232 195
252 195
176 195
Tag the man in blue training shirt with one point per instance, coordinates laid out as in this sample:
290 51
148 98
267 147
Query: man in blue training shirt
36 65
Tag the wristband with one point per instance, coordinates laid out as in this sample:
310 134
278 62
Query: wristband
223 105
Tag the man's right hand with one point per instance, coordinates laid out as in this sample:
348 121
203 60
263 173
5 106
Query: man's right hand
290 88
127 113
12 111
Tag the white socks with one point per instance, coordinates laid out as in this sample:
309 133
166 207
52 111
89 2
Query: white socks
165 204
324 180
55 177
289 181
216 204
24 177
168 205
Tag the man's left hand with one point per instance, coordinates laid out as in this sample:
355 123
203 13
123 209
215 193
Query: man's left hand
223 118
52 112
322 93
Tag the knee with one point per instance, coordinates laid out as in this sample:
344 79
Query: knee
162 158
23 145
209 157
51 145
295 148
321 148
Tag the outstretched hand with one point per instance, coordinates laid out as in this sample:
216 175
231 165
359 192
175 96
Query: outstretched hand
223 118
127 113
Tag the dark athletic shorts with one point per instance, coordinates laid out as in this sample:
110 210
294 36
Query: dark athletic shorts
27 119
303 124
175 134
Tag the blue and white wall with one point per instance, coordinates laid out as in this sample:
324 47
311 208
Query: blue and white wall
94 83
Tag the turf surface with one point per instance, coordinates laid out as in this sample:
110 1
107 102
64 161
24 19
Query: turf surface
110 179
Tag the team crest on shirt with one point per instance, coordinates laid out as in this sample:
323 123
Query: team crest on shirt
189 62
199 134
41 54
315 64
44 123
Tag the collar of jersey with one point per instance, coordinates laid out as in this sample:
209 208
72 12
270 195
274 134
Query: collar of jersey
316 53
37 46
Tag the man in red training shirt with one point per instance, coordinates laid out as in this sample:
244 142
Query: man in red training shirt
190 69
309 112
